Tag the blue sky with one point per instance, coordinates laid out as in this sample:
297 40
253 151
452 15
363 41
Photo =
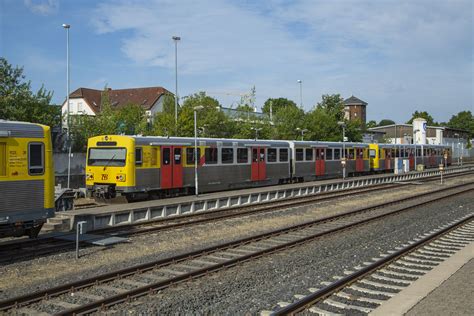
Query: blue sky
399 56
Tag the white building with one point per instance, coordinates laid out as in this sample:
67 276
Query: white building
88 101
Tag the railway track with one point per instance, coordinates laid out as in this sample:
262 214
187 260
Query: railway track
29 248
93 294
363 290
210 216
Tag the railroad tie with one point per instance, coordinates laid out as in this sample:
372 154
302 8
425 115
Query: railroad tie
359 298
133 283
154 277
188 266
29 311
320 311
172 272
111 289
88 296
369 291
62 304
382 285
340 305
204 262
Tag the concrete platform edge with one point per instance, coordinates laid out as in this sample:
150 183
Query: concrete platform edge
413 294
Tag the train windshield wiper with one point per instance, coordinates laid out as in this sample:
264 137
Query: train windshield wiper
110 160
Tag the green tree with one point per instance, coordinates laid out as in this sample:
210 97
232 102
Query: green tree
386 122
19 103
463 120
422 114
371 124
277 104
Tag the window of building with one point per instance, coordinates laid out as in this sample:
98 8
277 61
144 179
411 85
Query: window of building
271 154
211 155
138 156
190 155
309 154
283 154
227 155
36 158
299 154
242 155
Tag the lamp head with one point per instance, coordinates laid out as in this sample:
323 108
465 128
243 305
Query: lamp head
66 26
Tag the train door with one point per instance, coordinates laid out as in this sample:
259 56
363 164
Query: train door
171 167
388 156
259 168
411 157
359 160
320 162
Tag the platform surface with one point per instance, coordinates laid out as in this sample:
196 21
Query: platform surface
448 289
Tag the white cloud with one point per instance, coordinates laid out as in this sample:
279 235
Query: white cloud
396 55
42 7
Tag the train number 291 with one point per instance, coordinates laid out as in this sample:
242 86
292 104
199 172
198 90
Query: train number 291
105 177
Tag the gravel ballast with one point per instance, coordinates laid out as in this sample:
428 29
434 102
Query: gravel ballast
207 293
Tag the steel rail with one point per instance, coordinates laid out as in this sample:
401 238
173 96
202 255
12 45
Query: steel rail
184 220
28 299
188 220
334 287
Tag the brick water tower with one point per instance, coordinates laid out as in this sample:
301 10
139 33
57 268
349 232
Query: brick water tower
355 108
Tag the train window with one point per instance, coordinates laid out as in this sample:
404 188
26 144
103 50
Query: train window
3 159
372 153
254 155
283 154
329 153
106 157
154 156
177 156
271 154
36 158
190 155
242 155
299 154
211 155
350 153
138 156
227 155
309 154
166 156
337 153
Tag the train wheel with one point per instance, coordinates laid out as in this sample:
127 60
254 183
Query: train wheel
34 232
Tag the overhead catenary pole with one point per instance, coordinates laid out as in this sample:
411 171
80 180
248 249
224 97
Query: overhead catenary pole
301 92
68 121
176 97
196 182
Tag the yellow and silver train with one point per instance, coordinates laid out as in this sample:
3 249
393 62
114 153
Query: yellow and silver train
26 178
139 167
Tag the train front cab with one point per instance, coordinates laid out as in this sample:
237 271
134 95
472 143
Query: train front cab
110 165
26 178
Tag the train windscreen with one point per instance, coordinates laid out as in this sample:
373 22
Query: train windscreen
107 157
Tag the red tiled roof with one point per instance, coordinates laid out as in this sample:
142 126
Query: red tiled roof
145 97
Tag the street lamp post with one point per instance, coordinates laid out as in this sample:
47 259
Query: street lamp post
302 131
176 39
457 146
414 142
256 129
301 92
343 161
67 27
196 182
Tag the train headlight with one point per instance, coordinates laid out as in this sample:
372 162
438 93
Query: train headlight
89 176
120 177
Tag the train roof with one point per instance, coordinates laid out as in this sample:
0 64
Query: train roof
329 144
412 145
189 141
21 129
